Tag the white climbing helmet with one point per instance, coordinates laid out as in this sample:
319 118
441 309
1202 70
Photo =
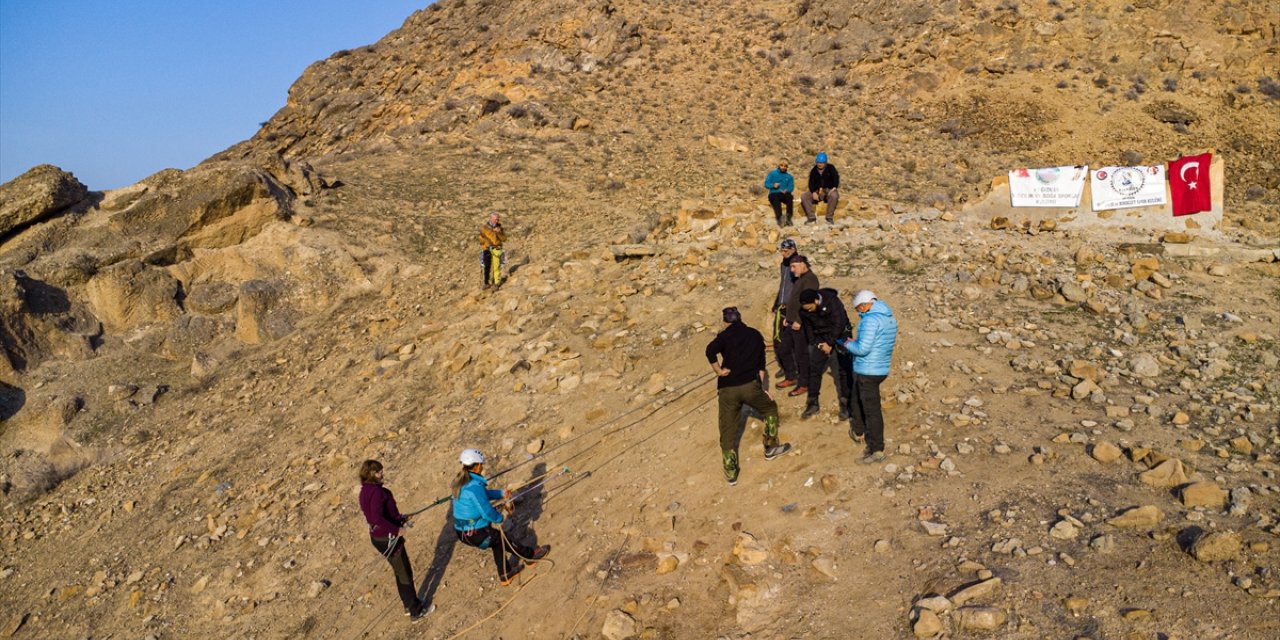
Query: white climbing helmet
470 457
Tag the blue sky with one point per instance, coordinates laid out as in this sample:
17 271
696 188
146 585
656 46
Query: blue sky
115 90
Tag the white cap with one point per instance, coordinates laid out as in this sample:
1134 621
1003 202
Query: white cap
470 457
863 297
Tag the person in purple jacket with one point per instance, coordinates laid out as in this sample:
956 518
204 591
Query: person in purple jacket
385 522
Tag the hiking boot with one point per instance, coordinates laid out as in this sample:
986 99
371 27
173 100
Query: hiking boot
790 223
810 411
799 391
512 578
539 552
789 382
831 221
844 414
874 457
776 450
811 221
856 437
730 467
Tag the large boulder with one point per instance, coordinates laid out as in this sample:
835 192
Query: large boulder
262 312
37 194
130 294
39 321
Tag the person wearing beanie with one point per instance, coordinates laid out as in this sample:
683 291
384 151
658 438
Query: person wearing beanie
803 279
826 324
824 186
872 352
478 524
780 185
784 339
736 356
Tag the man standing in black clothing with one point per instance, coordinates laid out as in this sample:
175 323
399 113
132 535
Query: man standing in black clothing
802 279
826 324
736 355
782 334
824 186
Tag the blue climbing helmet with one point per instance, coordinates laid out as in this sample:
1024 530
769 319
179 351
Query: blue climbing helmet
821 159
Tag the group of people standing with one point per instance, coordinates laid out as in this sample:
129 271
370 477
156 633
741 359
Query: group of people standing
812 334
823 186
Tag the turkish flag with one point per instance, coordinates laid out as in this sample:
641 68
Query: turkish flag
1189 184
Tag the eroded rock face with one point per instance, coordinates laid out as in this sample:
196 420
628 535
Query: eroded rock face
211 206
39 321
36 195
262 313
130 294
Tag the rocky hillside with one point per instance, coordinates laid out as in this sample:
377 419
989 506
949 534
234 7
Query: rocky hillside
1083 427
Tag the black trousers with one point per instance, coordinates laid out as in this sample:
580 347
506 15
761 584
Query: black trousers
793 354
776 200
865 417
841 365
501 545
399 559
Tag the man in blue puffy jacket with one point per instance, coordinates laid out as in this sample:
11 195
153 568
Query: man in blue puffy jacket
780 185
872 350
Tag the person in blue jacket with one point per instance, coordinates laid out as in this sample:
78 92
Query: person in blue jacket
780 185
872 351
474 518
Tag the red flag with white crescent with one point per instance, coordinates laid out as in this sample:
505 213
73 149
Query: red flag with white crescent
1189 184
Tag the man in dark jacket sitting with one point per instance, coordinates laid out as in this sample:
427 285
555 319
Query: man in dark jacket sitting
824 186
826 324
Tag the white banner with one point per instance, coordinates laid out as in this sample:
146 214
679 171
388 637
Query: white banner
1047 187
1121 187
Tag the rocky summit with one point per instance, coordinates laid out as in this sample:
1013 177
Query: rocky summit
1082 423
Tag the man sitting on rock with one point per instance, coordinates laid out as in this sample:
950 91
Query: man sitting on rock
824 186
780 185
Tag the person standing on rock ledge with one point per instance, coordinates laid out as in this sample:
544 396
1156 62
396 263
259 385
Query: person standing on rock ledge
803 279
780 185
385 522
474 518
491 238
872 352
736 355
824 186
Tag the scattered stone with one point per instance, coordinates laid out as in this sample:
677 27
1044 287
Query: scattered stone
977 618
748 550
935 529
937 604
1203 494
1143 517
1142 268
1169 473
975 591
927 625
1242 445
535 446
1105 543
882 546
1064 530
1144 365
1135 614
618 625
1105 452
1219 545
317 587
